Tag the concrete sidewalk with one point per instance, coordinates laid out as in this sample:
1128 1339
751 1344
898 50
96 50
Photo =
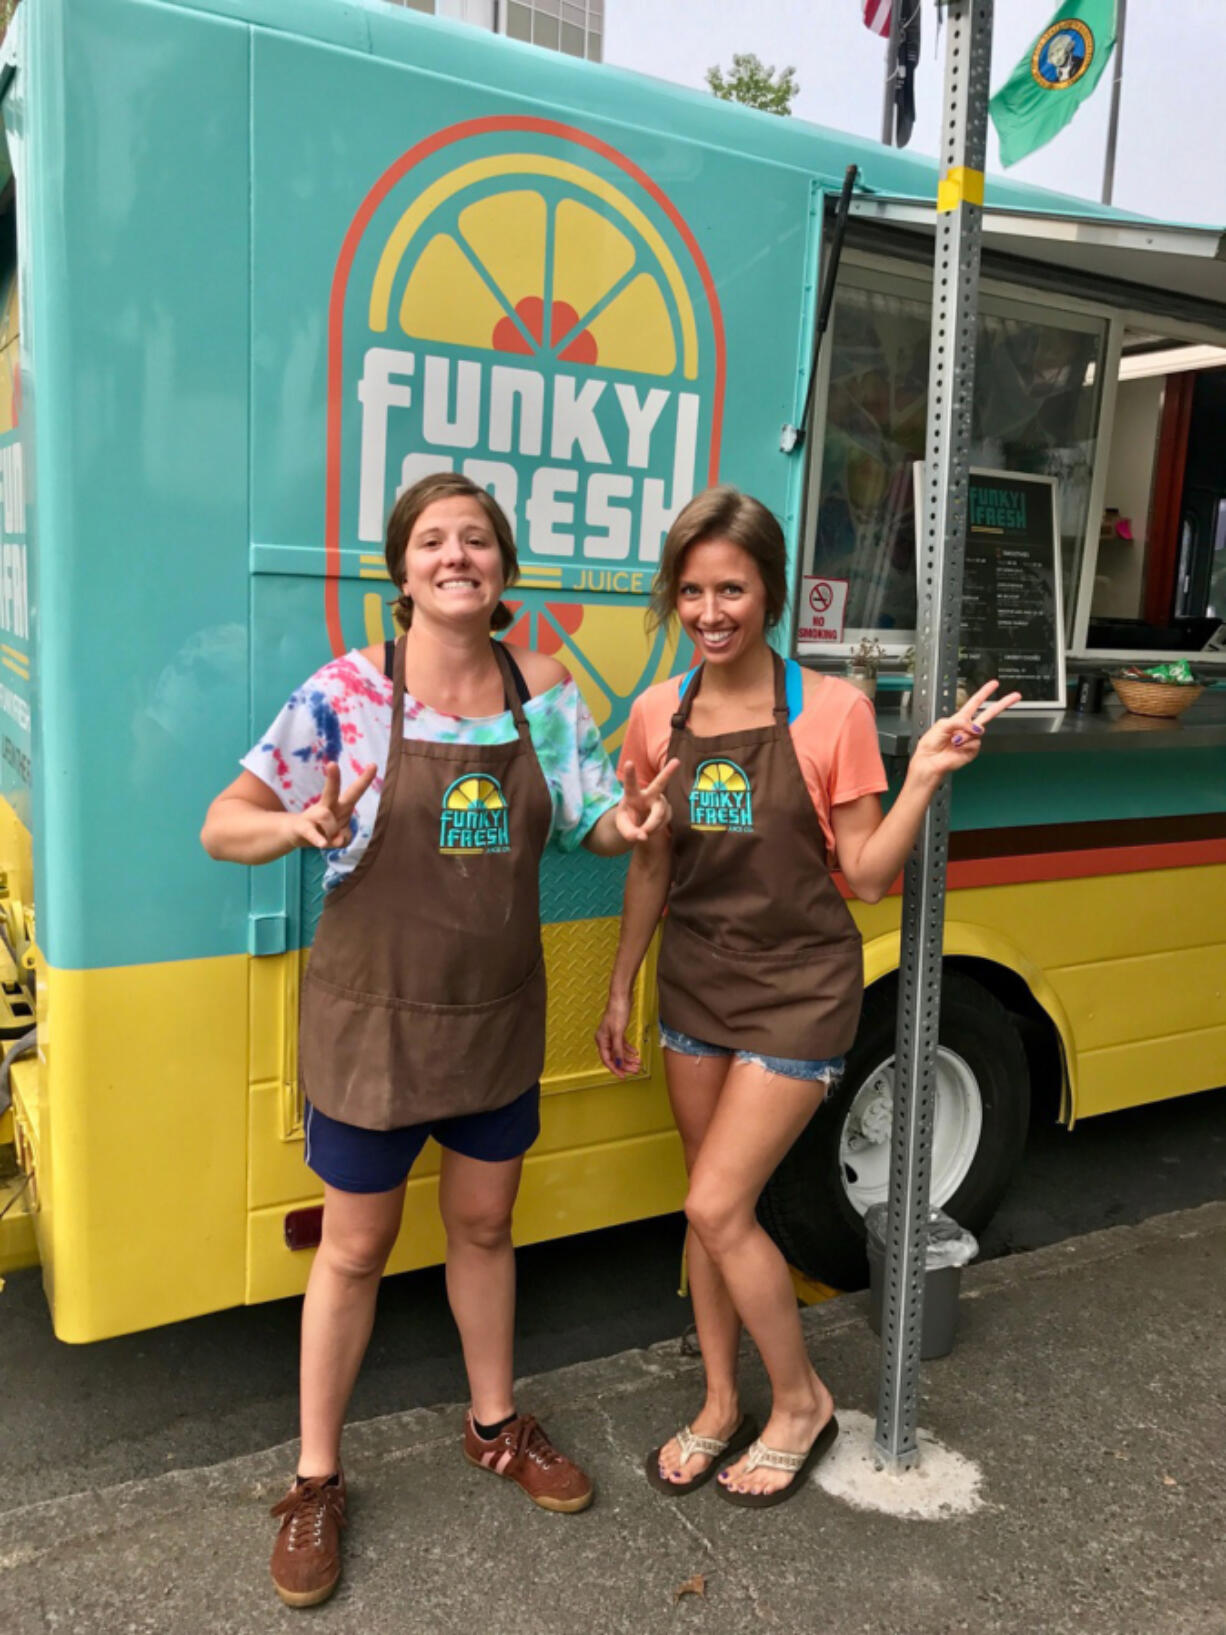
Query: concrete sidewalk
1083 1410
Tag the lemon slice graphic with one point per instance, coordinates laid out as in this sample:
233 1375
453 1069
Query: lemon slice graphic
724 776
716 778
476 791
532 254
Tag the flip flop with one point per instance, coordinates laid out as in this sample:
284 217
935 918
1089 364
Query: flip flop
691 1444
800 1464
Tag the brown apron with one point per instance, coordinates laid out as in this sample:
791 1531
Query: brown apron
759 951
424 996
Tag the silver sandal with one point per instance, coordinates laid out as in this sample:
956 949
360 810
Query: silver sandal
799 1464
690 1443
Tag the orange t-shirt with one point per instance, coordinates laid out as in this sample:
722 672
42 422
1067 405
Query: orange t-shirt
835 737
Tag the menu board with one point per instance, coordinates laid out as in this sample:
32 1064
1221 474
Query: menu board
1012 601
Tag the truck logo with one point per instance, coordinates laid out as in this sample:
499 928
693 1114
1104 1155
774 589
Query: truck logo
517 300
721 798
475 816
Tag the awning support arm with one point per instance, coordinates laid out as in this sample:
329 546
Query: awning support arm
793 436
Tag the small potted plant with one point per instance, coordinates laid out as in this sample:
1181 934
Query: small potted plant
863 664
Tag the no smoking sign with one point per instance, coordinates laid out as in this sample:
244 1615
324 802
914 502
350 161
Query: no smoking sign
823 607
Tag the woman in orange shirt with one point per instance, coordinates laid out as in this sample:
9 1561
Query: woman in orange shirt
760 968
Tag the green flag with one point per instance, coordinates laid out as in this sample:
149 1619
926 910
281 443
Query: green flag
1054 78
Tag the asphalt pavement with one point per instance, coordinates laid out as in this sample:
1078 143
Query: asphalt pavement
201 1392
1073 1482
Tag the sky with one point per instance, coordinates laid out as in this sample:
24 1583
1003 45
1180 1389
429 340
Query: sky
1171 159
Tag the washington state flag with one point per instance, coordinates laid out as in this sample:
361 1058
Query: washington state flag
1054 78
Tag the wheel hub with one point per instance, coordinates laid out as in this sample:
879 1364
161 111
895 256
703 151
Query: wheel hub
864 1146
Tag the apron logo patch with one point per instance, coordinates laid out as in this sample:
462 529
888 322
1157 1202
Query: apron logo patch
721 798
475 816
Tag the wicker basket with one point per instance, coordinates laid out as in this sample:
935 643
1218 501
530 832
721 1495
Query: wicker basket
1166 698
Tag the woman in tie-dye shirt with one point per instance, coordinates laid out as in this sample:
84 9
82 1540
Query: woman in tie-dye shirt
429 960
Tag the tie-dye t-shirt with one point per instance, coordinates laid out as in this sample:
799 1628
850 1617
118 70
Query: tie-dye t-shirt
344 714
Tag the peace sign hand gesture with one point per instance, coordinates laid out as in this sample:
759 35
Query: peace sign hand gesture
325 823
640 812
954 740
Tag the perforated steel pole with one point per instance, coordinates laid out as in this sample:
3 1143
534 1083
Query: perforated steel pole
940 546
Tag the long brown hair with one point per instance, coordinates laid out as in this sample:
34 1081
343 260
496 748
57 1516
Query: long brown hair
722 513
445 485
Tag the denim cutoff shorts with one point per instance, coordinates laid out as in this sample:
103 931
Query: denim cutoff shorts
828 1071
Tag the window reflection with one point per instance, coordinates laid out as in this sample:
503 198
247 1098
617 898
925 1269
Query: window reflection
1035 411
874 436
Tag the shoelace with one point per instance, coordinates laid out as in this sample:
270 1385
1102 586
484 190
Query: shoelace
306 1505
531 1441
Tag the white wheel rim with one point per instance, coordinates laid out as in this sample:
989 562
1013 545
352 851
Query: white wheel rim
864 1143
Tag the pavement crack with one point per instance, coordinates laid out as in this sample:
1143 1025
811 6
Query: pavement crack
718 1566
721 1566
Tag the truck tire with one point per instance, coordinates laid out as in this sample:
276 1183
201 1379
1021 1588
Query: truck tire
813 1205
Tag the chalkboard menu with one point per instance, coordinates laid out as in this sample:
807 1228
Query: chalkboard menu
1012 603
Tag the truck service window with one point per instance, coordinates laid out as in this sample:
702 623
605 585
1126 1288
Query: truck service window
1036 412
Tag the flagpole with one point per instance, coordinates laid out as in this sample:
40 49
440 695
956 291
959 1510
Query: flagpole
1121 15
891 72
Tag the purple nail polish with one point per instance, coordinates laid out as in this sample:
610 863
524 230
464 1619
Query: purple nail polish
977 730
958 739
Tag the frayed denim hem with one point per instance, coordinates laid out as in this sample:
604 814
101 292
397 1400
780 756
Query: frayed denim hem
827 1071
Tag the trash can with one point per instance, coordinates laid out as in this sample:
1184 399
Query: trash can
948 1248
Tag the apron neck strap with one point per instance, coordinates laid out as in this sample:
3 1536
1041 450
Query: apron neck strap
681 719
510 693
681 716
398 691
781 690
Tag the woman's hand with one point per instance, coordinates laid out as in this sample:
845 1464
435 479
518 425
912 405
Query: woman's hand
954 740
872 848
640 812
325 823
619 1057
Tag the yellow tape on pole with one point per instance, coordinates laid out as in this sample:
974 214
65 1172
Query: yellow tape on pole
960 186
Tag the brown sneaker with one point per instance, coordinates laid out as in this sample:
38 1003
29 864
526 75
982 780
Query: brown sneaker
524 1454
306 1559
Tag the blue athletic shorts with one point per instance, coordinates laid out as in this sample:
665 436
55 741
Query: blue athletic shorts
828 1072
356 1160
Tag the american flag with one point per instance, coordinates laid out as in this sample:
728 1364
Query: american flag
877 16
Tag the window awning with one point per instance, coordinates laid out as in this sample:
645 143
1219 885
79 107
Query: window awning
1155 267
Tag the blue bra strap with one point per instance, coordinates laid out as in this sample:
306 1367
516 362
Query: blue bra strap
793 681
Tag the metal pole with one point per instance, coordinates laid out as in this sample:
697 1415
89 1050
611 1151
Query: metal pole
941 550
891 72
1113 124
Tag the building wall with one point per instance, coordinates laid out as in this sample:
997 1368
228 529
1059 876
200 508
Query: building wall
573 26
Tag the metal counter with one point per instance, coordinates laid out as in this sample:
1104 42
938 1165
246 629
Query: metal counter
1032 732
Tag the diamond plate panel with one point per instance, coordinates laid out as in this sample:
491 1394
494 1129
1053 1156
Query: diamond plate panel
579 886
578 959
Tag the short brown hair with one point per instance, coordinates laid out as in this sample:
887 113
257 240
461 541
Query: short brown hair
723 513
445 485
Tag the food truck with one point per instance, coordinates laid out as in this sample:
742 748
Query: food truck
266 265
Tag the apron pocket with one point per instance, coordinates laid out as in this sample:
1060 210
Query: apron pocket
381 1062
802 1003
764 959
